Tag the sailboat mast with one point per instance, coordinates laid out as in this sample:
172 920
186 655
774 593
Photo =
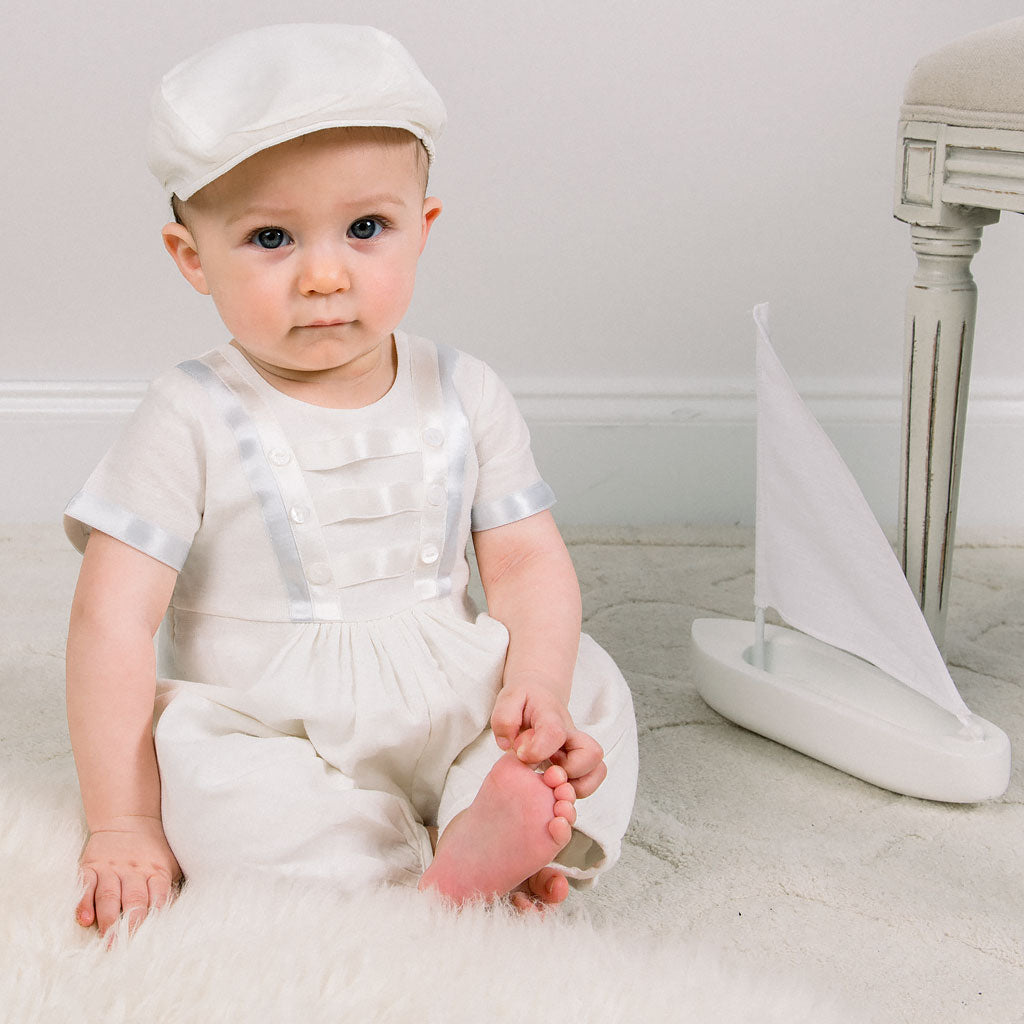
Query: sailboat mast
758 652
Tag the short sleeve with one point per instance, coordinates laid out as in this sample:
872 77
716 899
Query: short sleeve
509 487
148 490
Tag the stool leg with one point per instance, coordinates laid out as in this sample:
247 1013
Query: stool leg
941 307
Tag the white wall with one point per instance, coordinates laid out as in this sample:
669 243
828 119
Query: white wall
622 182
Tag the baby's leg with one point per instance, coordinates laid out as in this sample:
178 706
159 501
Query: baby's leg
515 826
260 802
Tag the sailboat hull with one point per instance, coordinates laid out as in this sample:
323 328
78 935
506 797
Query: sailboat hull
847 713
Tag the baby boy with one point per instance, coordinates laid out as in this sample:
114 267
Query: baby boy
294 508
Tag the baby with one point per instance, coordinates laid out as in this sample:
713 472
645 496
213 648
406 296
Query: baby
292 510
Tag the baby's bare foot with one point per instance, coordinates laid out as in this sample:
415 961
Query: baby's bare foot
519 820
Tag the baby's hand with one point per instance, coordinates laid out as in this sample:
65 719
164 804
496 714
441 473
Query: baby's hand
126 868
532 721
583 760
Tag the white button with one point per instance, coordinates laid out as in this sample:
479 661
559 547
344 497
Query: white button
435 494
429 555
298 514
319 573
280 456
433 437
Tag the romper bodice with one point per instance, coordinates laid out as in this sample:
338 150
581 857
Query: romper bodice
363 508
277 510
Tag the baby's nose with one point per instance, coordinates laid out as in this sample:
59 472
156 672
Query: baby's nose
324 271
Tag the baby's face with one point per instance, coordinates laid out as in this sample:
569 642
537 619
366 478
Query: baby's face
309 250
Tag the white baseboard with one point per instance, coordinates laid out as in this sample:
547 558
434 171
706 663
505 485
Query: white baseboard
628 451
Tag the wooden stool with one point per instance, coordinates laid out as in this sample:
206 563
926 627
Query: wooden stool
961 161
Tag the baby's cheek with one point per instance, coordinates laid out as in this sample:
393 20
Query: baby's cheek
249 315
393 291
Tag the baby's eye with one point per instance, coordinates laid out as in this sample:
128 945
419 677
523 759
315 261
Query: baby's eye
365 228
270 238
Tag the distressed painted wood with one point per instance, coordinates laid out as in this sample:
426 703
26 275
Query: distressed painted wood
951 181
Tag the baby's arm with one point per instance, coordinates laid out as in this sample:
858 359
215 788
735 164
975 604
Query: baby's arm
111 683
531 588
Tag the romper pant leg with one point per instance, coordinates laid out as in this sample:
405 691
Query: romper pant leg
238 796
602 706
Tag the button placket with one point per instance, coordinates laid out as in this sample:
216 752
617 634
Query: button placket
432 521
433 451
305 526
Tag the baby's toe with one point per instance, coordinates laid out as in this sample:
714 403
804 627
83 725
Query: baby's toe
564 809
566 791
549 886
555 776
560 828
523 903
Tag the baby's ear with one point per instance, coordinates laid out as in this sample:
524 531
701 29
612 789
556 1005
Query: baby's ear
178 241
431 211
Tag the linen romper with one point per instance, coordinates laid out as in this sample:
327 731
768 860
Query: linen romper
325 685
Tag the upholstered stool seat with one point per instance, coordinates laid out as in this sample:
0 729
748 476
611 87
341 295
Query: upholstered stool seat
961 162
975 82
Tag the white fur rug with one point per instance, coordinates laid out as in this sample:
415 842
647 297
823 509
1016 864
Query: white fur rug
287 954
755 885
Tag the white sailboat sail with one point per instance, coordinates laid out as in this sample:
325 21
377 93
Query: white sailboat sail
821 559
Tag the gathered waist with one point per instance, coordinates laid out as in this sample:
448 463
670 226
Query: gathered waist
458 605
233 652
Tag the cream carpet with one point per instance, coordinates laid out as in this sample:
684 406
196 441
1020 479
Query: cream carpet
756 885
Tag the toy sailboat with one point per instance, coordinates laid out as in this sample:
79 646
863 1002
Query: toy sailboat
858 682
